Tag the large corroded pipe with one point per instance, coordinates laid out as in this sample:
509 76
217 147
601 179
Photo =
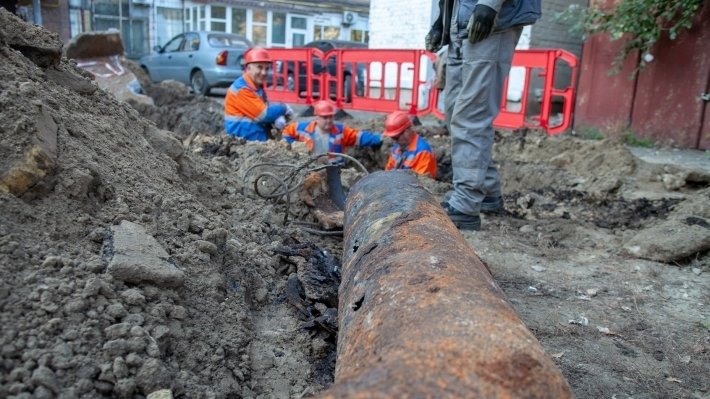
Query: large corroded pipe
420 316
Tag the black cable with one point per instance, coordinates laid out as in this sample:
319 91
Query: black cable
287 188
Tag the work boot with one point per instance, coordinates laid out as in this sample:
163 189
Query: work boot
492 204
489 204
462 220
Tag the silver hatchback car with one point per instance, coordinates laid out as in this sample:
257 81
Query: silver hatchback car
201 60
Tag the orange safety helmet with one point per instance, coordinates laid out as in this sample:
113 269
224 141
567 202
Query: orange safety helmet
256 54
323 108
396 123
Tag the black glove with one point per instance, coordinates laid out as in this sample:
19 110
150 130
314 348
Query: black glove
432 41
481 23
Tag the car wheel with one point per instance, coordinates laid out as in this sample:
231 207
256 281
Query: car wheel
198 83
348 88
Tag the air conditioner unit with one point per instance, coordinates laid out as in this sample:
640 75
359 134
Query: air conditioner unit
349 18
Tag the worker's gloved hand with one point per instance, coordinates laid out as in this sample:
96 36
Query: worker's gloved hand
280 122
481 23
432 41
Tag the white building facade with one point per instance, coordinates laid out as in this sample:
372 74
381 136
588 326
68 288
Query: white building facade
267 24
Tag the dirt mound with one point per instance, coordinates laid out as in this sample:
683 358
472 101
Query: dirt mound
175 108
113 193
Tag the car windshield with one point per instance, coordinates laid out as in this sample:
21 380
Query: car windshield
227 41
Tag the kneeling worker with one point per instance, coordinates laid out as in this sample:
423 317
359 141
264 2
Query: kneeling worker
410 150
323 135
247 112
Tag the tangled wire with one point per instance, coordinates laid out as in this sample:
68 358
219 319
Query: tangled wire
292 180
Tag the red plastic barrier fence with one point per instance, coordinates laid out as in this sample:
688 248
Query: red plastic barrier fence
546 61
357 79
381 80
543 63
296 75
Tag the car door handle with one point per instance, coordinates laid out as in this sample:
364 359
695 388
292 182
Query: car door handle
189 56
170 57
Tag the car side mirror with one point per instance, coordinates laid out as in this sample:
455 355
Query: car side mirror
157 49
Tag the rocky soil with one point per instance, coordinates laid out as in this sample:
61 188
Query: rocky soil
135 255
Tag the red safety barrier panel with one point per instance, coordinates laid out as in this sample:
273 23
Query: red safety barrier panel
545 63
382 80
295 75
358 79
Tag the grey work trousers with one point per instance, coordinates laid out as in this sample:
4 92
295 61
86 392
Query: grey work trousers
475 74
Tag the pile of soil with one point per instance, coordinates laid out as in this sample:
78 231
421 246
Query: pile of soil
129 265
174 108
135 258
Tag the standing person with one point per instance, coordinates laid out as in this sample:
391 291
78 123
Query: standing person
247 112
410 150
323 135
482 35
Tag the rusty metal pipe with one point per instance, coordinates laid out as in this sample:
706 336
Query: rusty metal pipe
420 316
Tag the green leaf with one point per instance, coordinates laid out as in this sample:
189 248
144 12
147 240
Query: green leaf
640 22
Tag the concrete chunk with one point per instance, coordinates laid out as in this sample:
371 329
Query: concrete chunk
670 241
138 257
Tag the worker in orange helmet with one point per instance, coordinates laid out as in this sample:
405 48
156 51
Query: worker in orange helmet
323 135
410 150
247 112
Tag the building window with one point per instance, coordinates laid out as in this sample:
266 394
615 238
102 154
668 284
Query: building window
299 23
357 35
79 17
218 19
278 29
108 7
219 12
299 30
321 32
239 21
258 29
317 32
168 23
259 16
218 26
109 14
131 21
